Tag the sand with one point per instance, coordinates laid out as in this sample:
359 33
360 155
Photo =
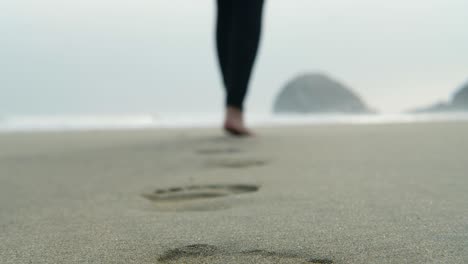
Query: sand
320 194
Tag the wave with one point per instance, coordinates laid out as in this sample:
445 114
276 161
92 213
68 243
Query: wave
118 122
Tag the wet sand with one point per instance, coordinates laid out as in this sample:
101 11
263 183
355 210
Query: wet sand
319 194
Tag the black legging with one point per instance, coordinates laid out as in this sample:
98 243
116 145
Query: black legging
237 38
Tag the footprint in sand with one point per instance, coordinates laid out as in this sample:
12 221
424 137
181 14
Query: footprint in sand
203 253
218 151
196 197
236 163
233 163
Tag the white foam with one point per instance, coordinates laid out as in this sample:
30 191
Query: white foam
106 122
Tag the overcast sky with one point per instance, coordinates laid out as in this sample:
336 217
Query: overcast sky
138 56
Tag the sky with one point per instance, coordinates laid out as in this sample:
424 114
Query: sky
158 56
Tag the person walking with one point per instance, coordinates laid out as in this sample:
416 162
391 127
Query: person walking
238 31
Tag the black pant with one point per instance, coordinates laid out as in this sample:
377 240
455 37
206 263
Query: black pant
237 38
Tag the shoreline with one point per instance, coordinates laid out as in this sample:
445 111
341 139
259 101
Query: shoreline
138 122
213 127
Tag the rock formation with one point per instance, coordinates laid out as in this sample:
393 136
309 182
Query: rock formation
460 98
459 102
317 93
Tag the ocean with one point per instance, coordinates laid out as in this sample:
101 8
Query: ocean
38 123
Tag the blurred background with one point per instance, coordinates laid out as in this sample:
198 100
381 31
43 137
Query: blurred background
93 57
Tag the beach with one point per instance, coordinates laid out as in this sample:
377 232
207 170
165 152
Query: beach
373 193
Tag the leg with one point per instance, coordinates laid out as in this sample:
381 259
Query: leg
237 37
223 29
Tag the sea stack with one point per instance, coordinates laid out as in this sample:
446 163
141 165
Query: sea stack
318 93
459 103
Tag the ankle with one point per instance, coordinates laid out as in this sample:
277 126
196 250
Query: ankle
233 110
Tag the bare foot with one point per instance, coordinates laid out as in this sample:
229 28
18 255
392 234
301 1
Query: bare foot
234 123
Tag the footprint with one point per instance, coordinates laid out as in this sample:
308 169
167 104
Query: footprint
196 197
320 261
218 151
237 163
203 253
199 192
191 251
